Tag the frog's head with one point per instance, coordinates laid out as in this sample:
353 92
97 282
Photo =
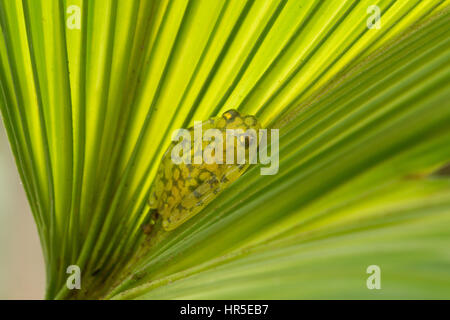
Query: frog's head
232 119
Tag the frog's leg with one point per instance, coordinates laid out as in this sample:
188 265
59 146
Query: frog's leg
231 174
150 221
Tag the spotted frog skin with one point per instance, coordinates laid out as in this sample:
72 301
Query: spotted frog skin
180 191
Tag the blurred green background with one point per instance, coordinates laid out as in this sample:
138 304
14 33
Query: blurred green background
21 263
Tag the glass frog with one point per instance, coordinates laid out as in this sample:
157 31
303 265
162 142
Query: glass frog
180 191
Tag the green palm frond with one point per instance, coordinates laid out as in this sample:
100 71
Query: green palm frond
363 117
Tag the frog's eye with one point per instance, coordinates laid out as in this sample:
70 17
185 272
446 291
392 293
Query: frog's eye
230 115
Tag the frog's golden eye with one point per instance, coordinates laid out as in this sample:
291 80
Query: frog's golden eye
230 115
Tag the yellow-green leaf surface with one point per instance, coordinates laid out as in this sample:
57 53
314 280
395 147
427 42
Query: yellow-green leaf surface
364 126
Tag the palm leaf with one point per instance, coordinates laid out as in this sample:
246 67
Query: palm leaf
363 117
